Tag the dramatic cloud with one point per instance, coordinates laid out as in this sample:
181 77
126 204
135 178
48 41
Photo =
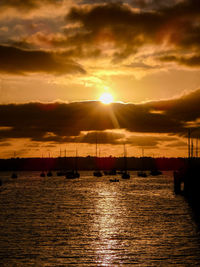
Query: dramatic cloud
122 28
102 30
148 141
191 61
60 122
27 4
126 30
101 137
177 144
18 61
185 108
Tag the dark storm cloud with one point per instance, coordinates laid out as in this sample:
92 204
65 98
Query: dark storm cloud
100 137
175 23
114 138
18 61
114 23
123 26
185 108
192 61
177 144
6 144
25 5
152 4
142 4
61 122
148 141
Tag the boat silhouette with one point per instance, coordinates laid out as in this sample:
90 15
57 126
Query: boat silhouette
125 174
42 174
114 180
61 173
97 172
62 160
14 175
155 172
110 172
74 173
141 174
49 174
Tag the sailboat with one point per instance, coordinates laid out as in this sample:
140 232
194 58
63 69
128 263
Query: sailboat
61 172
42 174
49 174
142 173
155 172
125 174
74 173
114 180
97 173
14 174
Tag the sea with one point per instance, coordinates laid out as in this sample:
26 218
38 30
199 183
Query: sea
90 221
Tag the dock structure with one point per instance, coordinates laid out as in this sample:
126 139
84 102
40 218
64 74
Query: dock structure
187 179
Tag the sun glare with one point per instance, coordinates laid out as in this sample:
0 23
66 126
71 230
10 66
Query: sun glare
106 98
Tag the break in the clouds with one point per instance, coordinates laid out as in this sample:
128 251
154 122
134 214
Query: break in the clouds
61 122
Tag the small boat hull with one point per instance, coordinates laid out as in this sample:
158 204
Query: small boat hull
114 180
14 176
125 175
97 174
72 175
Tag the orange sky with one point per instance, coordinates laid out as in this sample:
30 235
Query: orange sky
59 57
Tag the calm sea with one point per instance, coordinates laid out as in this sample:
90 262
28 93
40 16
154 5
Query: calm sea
93 222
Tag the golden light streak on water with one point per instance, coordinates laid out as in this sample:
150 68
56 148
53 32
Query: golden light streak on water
107 226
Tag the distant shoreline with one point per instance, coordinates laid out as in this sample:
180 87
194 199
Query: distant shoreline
90 163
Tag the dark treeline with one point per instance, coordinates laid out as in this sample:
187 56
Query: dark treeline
91 163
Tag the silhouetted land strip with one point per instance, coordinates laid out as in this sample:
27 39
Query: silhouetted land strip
90 163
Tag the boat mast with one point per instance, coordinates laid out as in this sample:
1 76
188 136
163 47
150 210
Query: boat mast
76 163
192 148
125 160
189 144
96 145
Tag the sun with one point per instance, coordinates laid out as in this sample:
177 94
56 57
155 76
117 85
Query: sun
106 98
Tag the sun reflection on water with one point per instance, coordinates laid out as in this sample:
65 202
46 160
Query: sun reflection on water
108 226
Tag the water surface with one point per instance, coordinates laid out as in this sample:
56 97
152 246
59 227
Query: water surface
93 222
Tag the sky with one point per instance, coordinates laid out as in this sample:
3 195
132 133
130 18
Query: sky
57 58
